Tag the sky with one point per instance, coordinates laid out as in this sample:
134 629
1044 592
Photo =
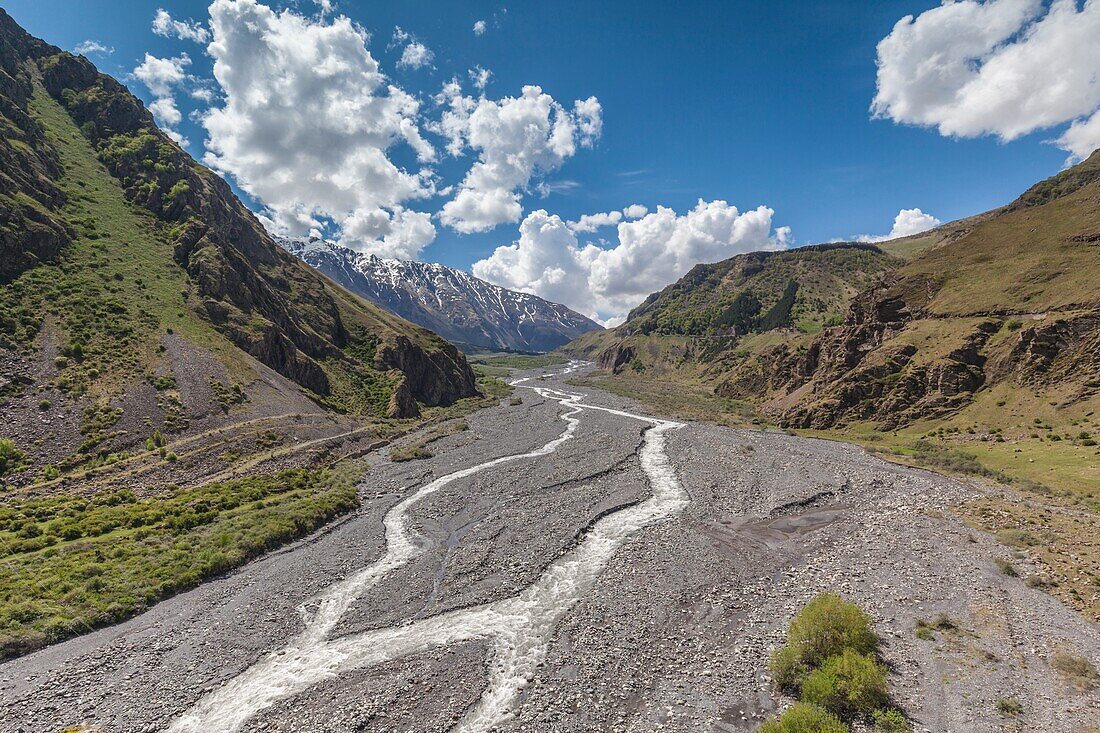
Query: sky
591 153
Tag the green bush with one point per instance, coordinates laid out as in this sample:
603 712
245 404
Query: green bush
849 685
11 458
824 628
805 718
890 721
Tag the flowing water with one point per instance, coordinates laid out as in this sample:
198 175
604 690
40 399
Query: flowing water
519 627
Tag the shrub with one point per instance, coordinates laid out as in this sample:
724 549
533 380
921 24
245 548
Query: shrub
1006 567
11 458
805 718
1009 706
787 669
890 721
827 626
849 685
1077 670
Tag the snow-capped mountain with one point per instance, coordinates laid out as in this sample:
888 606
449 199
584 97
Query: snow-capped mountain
454 304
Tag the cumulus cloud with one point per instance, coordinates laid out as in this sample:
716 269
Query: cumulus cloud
1082 137
906 223
635 211
414 54
592 222
306 125
480 27
516 138
162 76
188 30
1002 67
85 48
650 253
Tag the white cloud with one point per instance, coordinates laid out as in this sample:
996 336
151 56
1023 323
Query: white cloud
162 77
306 125
166 112
84 48
516 138
479 27
415 55
1002 67
188 30
480 78
1082 137
650 253
635 211
592 222
906 223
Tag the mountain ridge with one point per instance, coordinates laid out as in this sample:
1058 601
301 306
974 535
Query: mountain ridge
450 302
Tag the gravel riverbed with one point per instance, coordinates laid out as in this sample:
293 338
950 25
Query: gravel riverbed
674 634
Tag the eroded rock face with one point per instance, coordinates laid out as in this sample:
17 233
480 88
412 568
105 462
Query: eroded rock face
436 377
857 372
616 357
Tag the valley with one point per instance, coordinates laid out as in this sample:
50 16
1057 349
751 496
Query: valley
561 566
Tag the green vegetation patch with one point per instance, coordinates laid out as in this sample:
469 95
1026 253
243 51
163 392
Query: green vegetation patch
73 563
113 291
831 662
12 459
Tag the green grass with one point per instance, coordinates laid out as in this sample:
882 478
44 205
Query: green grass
73 563
517 361
115 290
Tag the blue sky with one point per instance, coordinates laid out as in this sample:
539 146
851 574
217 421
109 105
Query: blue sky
751 103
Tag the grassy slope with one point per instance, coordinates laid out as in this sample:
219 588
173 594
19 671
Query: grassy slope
116 288
827 277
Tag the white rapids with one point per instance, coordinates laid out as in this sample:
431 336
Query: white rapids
519 627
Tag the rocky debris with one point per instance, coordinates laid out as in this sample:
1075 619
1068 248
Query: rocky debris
674 636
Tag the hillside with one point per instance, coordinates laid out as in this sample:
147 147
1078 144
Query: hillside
157 349
452 303
1008 297
718 314
976 350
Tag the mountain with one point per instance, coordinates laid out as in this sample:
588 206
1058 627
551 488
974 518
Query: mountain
718 313
139 295
907 331
454 304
